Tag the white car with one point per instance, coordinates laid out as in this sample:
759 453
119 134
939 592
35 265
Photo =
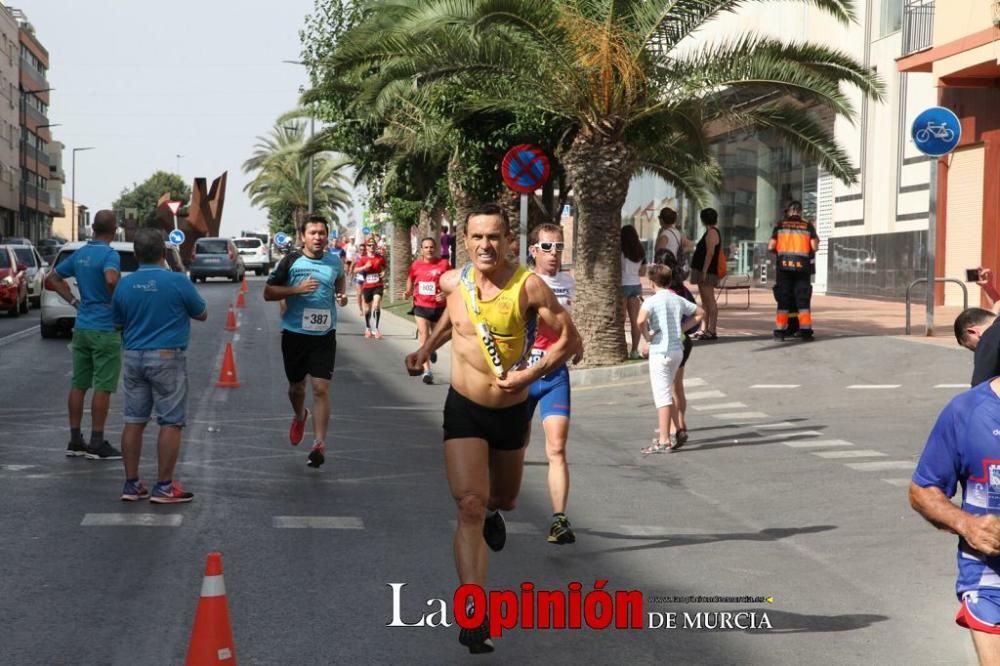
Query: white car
58 315
255 254
37 269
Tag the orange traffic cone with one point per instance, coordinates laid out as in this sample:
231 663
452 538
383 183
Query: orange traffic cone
231 324
243 287
212 637
240 301
227 376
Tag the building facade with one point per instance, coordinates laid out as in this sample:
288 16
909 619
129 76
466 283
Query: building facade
57 178
10 131
958 51
35 208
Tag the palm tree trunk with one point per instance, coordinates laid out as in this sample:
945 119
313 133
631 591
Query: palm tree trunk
402 259
599 168
463 201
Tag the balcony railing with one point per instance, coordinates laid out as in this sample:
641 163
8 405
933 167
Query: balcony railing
918 25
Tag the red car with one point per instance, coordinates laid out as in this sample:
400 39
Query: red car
13 283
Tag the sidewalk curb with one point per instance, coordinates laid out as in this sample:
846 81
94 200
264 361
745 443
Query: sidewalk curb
608 375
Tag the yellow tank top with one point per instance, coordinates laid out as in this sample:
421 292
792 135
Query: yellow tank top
510 333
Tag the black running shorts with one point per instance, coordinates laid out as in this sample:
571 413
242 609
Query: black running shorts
505 428
430 314
311 355
687 344
370 294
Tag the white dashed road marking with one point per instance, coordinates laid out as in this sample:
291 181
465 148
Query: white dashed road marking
775 386
514 527
899 483
850 453
736 416
319 522
882 465
718 405
776 425
132 520
704 395
817 443
950 386
873 387
694 381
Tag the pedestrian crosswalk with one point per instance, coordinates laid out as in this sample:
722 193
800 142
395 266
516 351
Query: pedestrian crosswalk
792 436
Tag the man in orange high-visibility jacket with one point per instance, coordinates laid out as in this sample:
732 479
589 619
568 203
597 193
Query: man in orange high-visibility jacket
795 242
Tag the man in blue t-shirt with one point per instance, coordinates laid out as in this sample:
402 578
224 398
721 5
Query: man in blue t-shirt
311 281
97 346
964 449
155 306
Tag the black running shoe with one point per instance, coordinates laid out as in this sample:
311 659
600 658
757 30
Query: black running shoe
434 357
495 532
103 452
317 456
561 532
76 448
477 640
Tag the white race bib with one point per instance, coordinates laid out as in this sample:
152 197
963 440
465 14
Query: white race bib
426 288
372 278
316 320
535 356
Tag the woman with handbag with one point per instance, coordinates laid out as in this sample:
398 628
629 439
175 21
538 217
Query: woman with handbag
707 265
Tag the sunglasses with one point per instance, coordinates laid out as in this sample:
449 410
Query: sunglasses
549 246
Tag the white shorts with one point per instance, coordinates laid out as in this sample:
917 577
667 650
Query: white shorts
662 370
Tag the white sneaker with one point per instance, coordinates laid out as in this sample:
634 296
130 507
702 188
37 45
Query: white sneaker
428 377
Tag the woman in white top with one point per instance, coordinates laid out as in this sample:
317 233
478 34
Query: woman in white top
671 239
633 268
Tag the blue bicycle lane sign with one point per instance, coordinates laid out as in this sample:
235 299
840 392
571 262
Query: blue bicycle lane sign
936 131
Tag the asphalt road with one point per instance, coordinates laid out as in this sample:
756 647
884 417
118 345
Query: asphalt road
792 493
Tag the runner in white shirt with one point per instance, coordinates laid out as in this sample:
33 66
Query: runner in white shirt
552 390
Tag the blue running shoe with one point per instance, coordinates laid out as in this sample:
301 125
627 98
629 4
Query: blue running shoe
133 491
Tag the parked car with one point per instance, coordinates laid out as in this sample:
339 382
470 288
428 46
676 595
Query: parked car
49 247
37 267
13 283
216 257
58 315
255 254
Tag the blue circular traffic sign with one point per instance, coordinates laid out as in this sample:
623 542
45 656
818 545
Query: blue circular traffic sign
525 168
366 230
280 239
936 131
176 237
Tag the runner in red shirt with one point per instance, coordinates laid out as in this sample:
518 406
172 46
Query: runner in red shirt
371 268
424 285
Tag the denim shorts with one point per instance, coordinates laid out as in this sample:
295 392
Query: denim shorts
155 379
632 290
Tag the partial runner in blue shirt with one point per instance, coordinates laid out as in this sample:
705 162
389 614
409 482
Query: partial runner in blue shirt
964 450
311 282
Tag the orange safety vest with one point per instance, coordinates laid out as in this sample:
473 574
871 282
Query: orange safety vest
794 245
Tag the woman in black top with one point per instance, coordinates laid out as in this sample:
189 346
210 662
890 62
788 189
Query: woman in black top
705 272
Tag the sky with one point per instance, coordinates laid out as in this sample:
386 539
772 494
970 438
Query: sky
143 82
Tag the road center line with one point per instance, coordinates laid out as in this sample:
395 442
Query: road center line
132 520
736 416
873 387
775 386
318 522
850 453
882 465
718 405
817 443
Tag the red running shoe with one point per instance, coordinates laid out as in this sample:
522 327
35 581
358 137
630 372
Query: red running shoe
297 430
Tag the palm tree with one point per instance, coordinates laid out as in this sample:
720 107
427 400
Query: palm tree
631 95
281 180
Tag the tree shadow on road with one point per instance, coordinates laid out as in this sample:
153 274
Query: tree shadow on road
672 540
728 441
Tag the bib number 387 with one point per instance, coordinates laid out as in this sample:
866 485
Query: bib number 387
314 319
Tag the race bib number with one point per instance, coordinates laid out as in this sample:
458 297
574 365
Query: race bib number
426 288
535 356
372 278
315 320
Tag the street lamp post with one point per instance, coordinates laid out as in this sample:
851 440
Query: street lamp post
73 230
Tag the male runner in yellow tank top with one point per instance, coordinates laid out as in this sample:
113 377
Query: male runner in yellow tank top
492 306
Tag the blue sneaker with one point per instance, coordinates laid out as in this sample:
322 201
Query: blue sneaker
133 491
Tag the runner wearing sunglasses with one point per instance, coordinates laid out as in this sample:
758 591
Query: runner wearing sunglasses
551 391
423 284
492 306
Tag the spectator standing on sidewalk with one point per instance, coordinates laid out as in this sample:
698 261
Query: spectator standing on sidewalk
705 272
97 346
795 242
633 268
155 306
671 242
445 243
660 322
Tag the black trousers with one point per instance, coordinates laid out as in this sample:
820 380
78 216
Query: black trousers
793 293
